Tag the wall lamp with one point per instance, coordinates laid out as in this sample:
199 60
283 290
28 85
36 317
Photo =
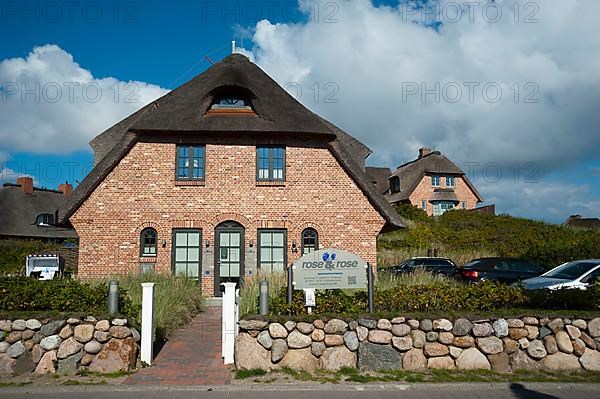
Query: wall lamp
207 243
294 246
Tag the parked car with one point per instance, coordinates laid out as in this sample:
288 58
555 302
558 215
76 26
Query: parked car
505 270
440 266
577 274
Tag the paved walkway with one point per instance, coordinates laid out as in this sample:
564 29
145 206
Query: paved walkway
191 357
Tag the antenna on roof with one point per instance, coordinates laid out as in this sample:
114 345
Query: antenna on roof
209 60
232 46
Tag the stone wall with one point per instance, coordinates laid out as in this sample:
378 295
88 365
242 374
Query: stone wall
497 344
66 346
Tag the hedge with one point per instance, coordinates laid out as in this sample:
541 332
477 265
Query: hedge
487 296
62 295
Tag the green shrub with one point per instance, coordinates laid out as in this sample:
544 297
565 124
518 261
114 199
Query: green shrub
13 254
438 295
62 295
462 235
566 299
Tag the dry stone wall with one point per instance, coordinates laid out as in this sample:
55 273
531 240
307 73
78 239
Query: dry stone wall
67 346
502 345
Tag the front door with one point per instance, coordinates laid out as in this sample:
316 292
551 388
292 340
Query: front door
229 254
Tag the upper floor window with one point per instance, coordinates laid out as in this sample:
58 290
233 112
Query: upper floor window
270 163
190 162
395 184
45 219
424 205
148 242
449 181
231 102
464 205
310 241
435 181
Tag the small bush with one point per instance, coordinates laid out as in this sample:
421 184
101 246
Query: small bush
62 295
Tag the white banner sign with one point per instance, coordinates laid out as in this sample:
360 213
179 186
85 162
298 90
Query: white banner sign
329 269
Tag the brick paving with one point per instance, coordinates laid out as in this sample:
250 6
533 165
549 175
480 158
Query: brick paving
191 357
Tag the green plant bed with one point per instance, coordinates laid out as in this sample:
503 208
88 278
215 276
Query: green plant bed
176 300
24 294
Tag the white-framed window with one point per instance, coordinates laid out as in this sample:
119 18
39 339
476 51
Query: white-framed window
435 181
441 207
45 219
450 181
424 205
464 205
272 249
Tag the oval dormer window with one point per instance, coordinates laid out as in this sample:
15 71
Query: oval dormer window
230 103
45 219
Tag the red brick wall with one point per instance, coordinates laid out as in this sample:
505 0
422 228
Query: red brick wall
141 191
424 191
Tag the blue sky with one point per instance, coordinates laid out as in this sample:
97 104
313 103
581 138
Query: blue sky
362 55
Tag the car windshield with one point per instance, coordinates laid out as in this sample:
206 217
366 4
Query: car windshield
571 270
473 263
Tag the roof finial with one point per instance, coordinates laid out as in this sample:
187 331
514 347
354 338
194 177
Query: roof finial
232 46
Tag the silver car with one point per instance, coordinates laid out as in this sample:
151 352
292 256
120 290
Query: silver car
576 274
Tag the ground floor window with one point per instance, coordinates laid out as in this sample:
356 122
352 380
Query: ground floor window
440 207
272 252
186 252
310 241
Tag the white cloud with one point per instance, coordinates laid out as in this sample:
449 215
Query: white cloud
371 53
50 104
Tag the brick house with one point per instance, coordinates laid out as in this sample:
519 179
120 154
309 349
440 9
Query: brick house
431 182
30 213
220 178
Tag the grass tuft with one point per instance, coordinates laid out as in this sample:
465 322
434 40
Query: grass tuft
242 374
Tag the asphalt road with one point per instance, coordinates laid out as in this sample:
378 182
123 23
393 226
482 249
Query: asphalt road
374 391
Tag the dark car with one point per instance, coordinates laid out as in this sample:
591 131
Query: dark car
505 270
442 266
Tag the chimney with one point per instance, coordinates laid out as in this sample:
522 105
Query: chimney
424 151
66 189
26 184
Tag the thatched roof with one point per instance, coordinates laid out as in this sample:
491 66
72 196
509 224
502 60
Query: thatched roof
434 163
184 111
20 211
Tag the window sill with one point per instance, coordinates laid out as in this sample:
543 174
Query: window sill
189 183
270 183
148 259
